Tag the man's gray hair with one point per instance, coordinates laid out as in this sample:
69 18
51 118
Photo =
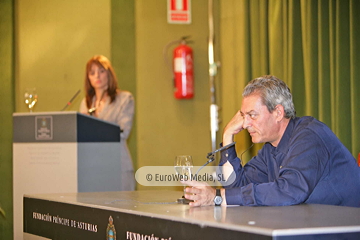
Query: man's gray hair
273 91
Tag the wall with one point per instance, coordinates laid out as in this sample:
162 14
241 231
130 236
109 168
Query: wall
166 126
54 40
123 55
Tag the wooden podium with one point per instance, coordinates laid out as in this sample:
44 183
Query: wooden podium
58 152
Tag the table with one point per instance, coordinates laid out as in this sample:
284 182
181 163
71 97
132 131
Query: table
151 215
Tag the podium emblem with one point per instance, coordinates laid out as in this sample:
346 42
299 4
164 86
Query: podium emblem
110 230
43 128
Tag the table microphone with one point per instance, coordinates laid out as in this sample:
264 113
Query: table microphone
72 99
211 155
220 149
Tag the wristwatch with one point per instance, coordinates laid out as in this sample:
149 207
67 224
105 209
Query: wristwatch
218 199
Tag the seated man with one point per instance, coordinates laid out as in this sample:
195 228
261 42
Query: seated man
302 161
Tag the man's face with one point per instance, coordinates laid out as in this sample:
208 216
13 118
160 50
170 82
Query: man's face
260 123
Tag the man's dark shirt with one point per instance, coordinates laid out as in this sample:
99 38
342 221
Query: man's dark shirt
310 165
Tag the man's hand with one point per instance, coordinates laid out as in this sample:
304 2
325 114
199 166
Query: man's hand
233 127
200 192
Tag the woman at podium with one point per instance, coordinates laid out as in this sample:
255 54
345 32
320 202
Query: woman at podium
104 100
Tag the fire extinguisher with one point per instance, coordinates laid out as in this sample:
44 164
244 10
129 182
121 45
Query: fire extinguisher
183 71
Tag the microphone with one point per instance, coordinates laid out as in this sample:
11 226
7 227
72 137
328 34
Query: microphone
220 149
72 99
211 155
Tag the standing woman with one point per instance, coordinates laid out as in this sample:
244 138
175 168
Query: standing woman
105 101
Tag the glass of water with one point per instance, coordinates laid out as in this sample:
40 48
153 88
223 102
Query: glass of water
183 166
31 98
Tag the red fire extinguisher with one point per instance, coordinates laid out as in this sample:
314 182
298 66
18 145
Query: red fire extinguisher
183 71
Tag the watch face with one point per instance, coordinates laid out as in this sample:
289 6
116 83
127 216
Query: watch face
217 200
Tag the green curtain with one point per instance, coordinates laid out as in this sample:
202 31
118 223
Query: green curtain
313 45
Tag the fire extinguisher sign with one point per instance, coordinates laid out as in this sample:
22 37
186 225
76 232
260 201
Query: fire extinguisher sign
179 11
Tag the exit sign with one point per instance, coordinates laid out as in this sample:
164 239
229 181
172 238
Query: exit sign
179 11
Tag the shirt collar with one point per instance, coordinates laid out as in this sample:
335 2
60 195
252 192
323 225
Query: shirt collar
285 139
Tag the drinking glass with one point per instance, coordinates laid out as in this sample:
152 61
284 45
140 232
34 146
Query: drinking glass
183 167
30 98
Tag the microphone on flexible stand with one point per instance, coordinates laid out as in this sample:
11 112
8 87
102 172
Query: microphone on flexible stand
72 99
211 156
